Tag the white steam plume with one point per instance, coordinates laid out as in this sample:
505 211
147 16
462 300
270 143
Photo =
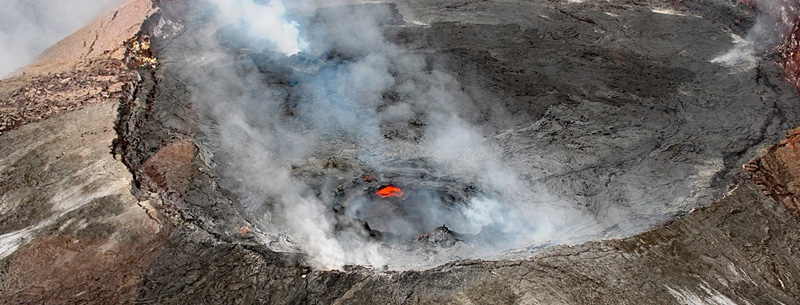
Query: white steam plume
775 17
338 112
264 21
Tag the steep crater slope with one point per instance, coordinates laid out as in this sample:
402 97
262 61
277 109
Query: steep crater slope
588 121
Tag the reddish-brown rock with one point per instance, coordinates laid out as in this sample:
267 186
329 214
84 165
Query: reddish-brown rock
777 172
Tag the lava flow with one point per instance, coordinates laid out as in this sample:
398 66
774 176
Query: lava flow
390 191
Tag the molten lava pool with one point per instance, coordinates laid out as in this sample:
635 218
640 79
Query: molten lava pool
390 191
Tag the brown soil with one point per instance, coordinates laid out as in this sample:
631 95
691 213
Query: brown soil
171 166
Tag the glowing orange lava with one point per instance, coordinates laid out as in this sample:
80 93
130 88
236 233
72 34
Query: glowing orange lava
390 191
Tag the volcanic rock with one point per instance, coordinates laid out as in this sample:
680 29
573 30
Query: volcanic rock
621 111
441 236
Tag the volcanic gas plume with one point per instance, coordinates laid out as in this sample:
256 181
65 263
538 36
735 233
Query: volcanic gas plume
317 90
341 133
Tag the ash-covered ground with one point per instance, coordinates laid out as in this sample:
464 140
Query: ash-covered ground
566 123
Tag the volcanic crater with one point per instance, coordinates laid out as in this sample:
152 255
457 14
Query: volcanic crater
407 152
505 133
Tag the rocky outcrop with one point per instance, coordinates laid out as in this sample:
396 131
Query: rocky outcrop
776 172
45 96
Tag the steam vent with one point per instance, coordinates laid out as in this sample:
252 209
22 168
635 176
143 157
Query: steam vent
401 152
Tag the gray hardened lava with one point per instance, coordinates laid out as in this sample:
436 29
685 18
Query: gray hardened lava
405 203
614 112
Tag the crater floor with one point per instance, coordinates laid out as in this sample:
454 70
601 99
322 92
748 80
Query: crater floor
571 121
